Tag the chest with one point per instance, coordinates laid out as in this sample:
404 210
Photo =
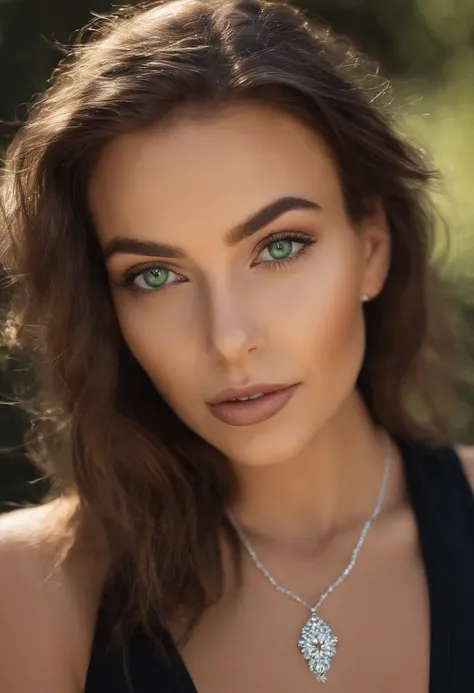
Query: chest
380 615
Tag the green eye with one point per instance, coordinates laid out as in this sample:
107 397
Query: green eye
280 250
283 248
153 278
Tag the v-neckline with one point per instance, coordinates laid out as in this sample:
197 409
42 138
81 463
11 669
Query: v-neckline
434 564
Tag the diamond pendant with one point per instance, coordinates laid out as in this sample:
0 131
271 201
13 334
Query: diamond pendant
318 646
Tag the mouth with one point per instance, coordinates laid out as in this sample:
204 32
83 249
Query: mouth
251 405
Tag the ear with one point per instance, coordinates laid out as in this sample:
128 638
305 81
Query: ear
376 243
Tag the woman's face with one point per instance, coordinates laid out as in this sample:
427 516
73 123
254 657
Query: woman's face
232 264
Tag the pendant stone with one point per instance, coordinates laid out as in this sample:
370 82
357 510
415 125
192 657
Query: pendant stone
318 646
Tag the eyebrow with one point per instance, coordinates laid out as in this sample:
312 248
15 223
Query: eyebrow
132 246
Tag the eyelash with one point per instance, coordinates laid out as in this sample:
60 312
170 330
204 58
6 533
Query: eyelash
305 240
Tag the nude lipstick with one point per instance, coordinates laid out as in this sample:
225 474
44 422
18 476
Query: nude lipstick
252 404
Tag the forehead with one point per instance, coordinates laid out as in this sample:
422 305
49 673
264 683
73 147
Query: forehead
209 172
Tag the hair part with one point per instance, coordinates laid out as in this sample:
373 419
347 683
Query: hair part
160 491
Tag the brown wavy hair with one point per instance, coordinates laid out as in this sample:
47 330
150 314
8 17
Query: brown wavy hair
158 490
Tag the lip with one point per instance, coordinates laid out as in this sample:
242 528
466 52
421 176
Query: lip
254 389
253 411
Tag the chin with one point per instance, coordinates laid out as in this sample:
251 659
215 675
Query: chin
260 449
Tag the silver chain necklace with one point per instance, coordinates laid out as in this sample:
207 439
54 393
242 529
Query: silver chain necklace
317 641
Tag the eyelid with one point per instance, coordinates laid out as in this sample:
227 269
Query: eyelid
150 264
292 234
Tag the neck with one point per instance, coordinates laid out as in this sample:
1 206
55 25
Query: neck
332 485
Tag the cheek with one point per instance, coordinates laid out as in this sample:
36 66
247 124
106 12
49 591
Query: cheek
321 317
337 329
160 343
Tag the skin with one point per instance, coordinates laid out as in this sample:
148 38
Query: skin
309 476
232 321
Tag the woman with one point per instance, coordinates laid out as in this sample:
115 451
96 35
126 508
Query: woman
222 258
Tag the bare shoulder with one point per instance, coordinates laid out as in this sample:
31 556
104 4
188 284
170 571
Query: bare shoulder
49 591
466 455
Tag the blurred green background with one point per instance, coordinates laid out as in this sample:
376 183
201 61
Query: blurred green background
426 47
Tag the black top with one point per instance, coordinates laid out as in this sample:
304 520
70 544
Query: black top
443 503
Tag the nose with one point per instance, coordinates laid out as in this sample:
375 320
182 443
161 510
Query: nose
233 327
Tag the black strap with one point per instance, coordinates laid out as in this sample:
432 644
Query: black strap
443 503
135 666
